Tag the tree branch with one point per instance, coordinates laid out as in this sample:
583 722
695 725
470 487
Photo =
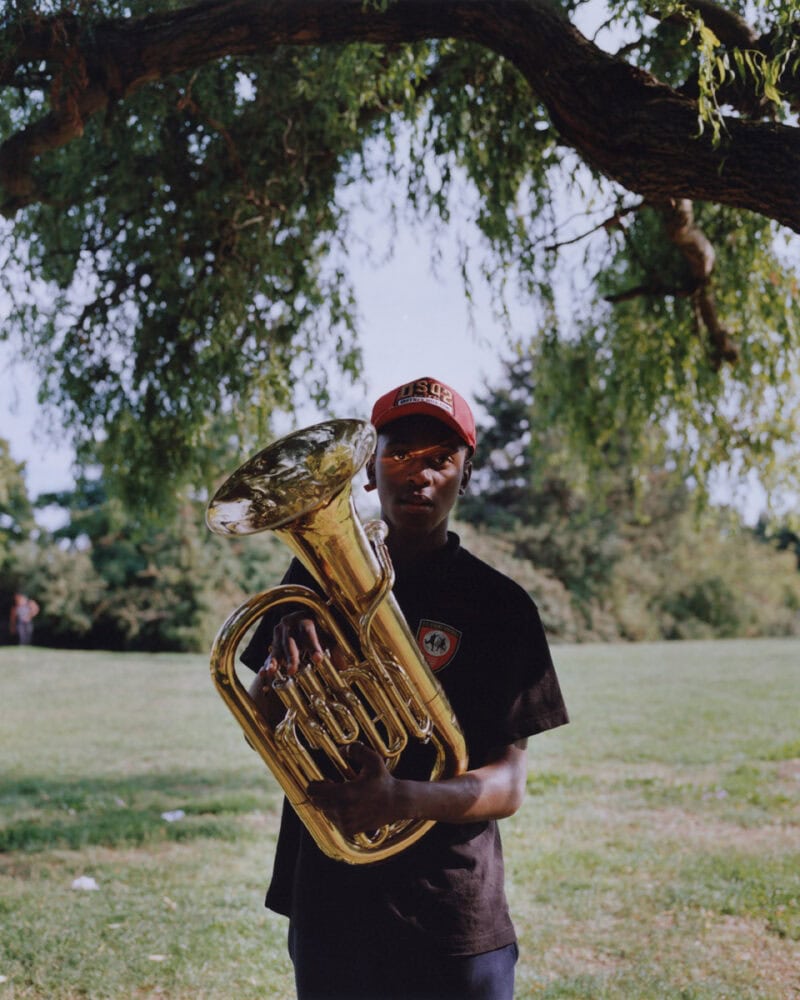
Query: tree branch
696 249
613 221
620 119
699 254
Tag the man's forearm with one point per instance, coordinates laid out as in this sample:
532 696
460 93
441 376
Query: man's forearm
493 791
374 797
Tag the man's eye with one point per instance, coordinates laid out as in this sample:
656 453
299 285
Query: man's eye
400 455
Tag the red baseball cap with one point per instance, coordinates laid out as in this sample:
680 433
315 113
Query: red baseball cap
430 398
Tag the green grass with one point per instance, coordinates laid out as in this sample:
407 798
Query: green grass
656 854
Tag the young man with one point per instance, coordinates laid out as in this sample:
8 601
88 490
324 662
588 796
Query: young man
432 921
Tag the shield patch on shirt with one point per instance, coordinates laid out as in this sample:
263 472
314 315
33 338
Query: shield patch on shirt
438 643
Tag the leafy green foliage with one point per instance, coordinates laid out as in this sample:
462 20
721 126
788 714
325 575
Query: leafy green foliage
16 511
183 272
480 128
618 550
590 388
193 264
156 581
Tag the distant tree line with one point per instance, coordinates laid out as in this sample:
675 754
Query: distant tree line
111 579
618 547
613 552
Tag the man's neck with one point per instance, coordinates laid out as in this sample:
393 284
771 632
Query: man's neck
409 551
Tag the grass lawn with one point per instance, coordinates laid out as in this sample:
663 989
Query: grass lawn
657 854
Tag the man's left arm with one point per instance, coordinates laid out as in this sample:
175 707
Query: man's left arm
374 797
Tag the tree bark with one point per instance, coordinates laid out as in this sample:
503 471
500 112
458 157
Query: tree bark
697 251
621 120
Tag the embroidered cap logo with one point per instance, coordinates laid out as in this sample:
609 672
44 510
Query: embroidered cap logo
426 391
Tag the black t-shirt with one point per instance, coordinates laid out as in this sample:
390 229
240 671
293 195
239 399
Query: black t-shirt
482 636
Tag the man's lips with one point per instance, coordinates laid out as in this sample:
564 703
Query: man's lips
416 500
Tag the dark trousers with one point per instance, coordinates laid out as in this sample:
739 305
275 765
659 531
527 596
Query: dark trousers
325 969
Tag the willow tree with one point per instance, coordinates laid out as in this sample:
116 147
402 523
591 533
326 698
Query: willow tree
171 176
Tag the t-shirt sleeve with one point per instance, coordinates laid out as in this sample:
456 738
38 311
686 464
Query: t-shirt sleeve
538 705
525 696
279 892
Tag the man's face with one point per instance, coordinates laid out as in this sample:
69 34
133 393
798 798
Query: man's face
419 469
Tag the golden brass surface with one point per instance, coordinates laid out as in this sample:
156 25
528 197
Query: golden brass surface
377 689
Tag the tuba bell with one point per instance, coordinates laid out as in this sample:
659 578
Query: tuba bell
377 688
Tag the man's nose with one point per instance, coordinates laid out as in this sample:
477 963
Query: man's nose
420 473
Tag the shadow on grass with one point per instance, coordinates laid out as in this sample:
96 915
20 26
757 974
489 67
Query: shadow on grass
129 811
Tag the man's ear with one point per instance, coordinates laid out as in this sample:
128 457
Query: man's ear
465 477
370 470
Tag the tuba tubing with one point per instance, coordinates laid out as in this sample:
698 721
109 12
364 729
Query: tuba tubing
377 689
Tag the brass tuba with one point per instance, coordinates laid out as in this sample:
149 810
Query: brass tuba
380 690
